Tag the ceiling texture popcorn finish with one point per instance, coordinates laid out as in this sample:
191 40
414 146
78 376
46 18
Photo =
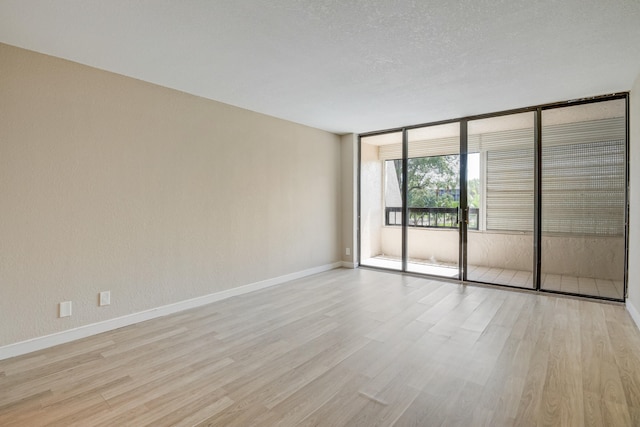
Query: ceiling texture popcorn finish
347 66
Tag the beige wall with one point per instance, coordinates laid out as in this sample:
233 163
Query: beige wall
371 214
349 144
109 183
428 244
634 198
511 251
597 257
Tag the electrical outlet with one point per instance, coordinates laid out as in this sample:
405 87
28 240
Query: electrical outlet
348 251
105 298
65 309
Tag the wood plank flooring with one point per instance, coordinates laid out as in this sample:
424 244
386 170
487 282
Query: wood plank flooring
345 347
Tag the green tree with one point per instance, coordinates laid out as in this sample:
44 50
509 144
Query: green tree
433 181
473 193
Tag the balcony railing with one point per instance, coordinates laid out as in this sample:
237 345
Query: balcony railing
431 217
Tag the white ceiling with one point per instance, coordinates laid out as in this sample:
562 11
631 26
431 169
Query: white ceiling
347 66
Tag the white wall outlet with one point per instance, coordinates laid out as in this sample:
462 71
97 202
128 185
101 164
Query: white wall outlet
65 309
348 251
105 298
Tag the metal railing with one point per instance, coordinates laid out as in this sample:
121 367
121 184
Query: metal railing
432 217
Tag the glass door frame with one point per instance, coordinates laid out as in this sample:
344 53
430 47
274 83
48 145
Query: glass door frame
463 215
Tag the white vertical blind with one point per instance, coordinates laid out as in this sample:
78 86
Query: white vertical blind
582 183
583 188
509 189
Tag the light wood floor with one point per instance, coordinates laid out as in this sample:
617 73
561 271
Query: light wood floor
586 286
346 347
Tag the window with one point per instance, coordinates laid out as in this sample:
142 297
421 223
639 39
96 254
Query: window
583 178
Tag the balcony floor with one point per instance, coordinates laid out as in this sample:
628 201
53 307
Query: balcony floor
519 278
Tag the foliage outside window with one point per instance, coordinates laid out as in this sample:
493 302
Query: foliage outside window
433 191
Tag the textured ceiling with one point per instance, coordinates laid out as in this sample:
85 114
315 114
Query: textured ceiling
347 66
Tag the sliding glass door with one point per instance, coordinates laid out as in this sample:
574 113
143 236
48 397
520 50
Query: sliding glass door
583 199
381 201
535 198
500 194
433 199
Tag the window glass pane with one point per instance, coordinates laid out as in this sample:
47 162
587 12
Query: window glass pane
433 197
583 199
381 201
500 186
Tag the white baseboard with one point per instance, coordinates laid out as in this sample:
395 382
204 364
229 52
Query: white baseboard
39 343
348 264
635 315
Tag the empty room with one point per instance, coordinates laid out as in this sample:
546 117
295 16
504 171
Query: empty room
301 213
